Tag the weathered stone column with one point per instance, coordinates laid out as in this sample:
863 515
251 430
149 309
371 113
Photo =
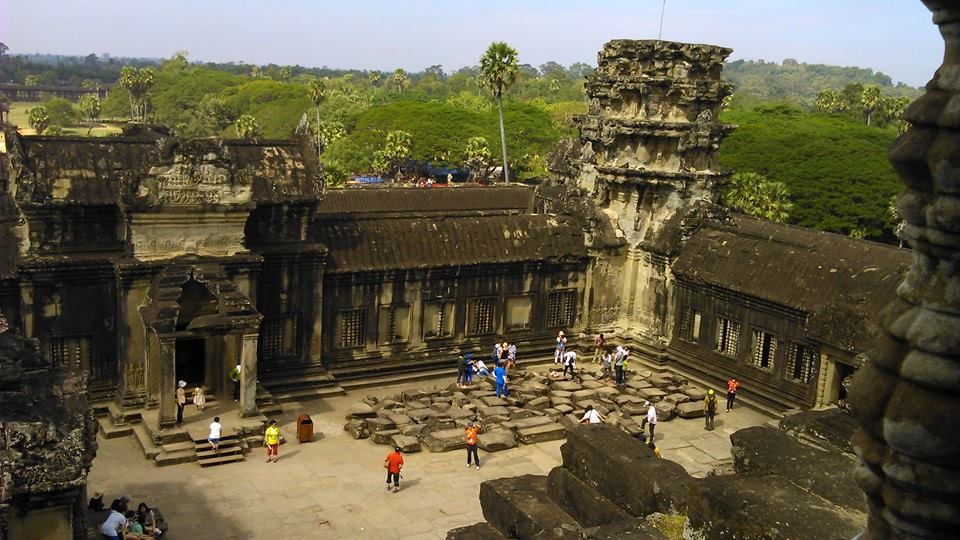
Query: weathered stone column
168 381
907 398
248 375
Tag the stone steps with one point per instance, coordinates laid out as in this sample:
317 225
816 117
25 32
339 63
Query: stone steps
302 393
230 451
145 440
110 431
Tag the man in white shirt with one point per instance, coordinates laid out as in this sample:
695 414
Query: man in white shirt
481 368
569 362
651 418
114 528
214 437
591 416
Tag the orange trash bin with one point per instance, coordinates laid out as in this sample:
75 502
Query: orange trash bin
304 428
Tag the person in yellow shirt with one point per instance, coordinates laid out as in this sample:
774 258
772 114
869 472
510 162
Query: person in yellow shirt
271 439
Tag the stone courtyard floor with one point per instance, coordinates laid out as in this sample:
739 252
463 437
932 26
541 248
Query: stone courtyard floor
334 486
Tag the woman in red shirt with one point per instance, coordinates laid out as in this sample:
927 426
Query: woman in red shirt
393 464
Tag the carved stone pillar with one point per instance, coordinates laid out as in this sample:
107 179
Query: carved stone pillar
908 397
248 375
168 381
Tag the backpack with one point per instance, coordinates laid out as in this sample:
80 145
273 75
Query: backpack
712 404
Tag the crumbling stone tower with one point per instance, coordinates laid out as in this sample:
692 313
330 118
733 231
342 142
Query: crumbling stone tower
648 157
907 397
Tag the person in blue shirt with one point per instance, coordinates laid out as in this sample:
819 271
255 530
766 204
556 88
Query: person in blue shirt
500 373
468 369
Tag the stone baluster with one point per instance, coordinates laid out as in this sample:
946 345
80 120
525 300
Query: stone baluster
907 399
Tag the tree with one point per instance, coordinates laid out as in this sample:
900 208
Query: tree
62 112
891 110
395 151
870 99
554 86
90 84
437 71
498 71
248 127
285 73
3 49
830 101
400 79
318 94
90 105
374 78
39 119
256 72
551 68
32 80
895 220
478 158
177 62
755 195
330 132
213 114
138 83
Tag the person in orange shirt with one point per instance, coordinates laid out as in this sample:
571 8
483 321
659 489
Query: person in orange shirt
732 387
471 437
393 464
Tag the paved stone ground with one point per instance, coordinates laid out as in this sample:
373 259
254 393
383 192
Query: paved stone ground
334 487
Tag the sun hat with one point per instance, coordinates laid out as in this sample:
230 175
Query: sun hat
182 384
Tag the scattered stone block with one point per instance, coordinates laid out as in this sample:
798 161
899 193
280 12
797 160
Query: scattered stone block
440 406
445 440
665 411
568 386
639 384
357 428
384 436
398 419
661 380
494 411
413 430
496 440
634 529
608 392
694 393
517 413
676 398
538 434
561 394
581 501
690 409
379 424
564 408
406 443
594 384
585 394
520 507
539 403
557 401
494 401
477 531
421 415
651 394
570 421
361 410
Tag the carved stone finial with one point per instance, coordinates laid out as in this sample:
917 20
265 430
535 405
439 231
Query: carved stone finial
907 397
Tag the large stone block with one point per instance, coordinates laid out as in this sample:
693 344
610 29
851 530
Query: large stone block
379 424
766 507
538 434
763 450
583 395
494 411
519 507
477 531
494 401
539 403
406 443
625 470
361 410
694 393
665 411
384 436
445 440
632 529
421 415
496 440
691 409
357 429
581 501
676 398
568 386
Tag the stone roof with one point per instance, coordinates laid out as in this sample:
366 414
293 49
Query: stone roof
362 245
840 282
397 200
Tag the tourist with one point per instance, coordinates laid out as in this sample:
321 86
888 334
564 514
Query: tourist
115 526
471 437
500 374
607 365
709 409
481 368
121 503
461 372
504 353
569 363
656 451
134 528
181 400
214 437
468 369
235 378
511 356
591 416
560 347
271 439
651 419
393 464
598 346
732 387
96 502
498 349
620 363
199 397
147 519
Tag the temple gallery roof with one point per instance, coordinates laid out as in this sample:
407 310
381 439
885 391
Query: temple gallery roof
361 245
840 282
488 199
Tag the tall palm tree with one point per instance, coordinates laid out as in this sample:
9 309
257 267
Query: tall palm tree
755 195
374 77
137 82
400 79
498 71
318 94
870 99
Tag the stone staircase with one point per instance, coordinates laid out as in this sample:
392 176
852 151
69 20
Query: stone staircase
285 383
231 448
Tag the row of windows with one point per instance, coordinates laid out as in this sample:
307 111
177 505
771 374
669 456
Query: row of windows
438 319
800 361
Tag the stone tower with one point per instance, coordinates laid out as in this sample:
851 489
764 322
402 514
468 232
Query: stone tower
648 157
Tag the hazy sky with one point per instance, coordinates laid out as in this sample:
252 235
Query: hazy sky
892 36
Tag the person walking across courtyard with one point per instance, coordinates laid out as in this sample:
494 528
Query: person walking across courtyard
235 377
569 363
732 387
214 437
470 434
500 374
709 409
560 348
271 439
650 419
393 464
619 364
181 400
598 345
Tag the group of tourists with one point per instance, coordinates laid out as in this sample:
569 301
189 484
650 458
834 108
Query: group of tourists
591 417
123 523
504 358
710 406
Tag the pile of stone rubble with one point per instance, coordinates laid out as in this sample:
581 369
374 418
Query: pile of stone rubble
540 407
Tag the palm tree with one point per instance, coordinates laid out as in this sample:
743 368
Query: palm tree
870 100
318 94
400 79
374 78
248 127
137 82
755 195
498 71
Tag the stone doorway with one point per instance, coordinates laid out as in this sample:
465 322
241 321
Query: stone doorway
191 361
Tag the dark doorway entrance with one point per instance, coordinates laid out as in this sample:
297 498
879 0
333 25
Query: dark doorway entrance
190 361
846 373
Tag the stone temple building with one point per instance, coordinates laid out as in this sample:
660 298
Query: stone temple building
144 259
